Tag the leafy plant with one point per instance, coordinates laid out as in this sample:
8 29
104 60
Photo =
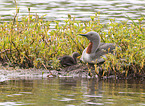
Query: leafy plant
31 42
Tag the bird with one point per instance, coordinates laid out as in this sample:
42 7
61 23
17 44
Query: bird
96 50
69 60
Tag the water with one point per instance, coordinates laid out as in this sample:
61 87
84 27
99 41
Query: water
72 92
81 9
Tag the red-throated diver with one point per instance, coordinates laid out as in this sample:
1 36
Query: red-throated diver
95 50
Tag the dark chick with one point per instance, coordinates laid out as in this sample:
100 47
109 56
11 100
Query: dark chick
69 60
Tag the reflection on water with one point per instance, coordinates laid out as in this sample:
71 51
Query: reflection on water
72 91
81 9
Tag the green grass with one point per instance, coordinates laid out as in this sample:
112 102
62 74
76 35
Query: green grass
27 43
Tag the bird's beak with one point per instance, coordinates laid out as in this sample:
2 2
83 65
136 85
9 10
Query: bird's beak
83 35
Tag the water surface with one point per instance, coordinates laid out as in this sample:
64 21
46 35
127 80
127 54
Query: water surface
81 9
72 92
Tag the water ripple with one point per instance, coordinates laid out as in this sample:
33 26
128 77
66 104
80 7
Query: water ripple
81 9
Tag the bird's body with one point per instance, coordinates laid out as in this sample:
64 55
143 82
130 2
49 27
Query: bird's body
68 60
95 52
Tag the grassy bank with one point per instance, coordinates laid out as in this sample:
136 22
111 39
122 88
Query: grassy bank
30 42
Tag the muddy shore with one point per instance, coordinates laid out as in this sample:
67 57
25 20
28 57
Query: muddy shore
80 71
39 73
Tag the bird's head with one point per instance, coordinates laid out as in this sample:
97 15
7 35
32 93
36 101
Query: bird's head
92 36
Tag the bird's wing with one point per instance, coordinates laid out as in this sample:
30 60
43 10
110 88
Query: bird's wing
102 50
69 61
107 47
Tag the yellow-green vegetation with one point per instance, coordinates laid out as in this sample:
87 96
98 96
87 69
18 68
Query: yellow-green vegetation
30 42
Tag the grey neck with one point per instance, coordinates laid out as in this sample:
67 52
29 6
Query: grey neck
96 44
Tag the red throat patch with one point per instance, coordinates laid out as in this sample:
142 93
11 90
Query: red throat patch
89 48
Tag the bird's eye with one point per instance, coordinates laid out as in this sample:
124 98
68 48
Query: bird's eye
91 34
